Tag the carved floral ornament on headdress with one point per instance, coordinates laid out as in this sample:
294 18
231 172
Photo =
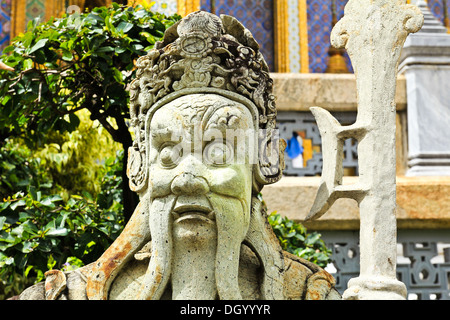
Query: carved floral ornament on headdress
203 53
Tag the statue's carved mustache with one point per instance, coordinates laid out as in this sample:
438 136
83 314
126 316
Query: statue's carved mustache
189 184
191 199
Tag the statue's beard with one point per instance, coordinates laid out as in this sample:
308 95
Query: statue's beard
197 254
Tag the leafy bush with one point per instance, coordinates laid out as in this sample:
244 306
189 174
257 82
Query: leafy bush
20 171
62 67
40 231
295 239
65 158
76 62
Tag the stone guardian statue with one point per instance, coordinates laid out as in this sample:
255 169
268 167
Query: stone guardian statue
205 144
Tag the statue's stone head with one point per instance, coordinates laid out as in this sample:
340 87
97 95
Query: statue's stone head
205 144
205 54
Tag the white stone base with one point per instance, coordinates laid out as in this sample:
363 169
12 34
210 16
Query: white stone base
375 288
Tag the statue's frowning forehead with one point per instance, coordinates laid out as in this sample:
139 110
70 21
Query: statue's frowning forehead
206 111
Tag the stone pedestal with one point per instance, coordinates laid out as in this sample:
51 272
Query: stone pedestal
425 63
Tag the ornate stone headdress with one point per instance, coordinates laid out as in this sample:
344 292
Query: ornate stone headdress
203 53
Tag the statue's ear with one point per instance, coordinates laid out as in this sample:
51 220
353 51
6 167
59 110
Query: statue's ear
270 162
137 169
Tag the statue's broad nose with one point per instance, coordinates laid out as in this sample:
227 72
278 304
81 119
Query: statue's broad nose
187 183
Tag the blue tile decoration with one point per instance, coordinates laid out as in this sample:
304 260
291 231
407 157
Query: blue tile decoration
319 22
5 23
319 28
256 15
437 8
207 5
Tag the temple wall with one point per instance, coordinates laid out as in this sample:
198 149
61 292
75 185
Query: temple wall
423 202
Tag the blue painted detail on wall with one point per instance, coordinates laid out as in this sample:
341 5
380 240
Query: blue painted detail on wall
257 16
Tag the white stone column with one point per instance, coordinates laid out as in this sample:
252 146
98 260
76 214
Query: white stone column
373 33
425 62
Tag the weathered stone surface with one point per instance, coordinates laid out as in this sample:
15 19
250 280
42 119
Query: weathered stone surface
302 280
422 203
373 33
204 118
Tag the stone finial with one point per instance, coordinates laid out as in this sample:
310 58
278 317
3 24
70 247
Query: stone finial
373 33
336 60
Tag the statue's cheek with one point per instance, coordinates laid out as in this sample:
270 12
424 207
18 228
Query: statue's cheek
160 181
234 181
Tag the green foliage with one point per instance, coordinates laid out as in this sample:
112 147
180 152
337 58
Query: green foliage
19 171
72 168
62 159
41 231
75 62
295 239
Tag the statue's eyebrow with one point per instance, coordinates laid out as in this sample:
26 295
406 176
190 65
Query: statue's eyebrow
165 134
223 121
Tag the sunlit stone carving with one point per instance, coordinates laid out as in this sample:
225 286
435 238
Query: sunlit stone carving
205 144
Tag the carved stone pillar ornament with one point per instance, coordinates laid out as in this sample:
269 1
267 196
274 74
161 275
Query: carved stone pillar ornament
373 33
425 62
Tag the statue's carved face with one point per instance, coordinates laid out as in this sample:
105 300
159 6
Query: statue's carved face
200 184
198 153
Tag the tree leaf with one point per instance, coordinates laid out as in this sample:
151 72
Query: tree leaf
27 64
29 227
41 43
27 247
57 232
104 49
16 204
124 26
2 221
67 55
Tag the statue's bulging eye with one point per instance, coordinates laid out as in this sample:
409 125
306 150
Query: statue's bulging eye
218 153
170 155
